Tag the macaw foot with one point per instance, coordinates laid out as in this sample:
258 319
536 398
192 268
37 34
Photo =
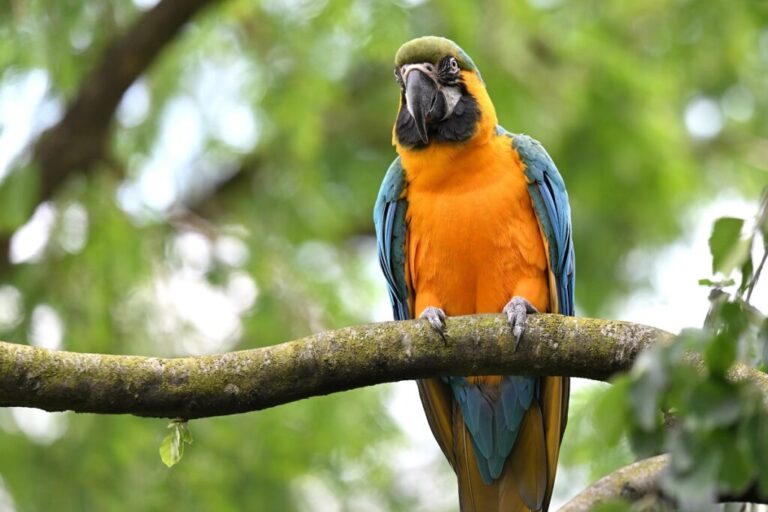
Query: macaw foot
517 310
436 318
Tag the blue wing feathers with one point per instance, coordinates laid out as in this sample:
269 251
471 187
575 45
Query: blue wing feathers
389 220
493 422
513 407
485 438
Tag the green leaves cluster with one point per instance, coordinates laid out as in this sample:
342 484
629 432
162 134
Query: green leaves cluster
680 398
732 250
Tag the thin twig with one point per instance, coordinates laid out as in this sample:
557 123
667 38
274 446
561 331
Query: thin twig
756 276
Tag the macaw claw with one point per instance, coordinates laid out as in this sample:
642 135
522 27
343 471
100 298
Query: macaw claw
517 311
436 318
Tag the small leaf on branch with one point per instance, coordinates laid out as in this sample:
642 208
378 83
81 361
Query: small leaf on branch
172 447
722 283
726 245
747 270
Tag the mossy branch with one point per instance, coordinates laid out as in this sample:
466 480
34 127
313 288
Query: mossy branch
249 380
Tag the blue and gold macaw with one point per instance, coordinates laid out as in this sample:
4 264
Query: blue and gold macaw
473 219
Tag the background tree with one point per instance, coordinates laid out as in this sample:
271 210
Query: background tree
233 196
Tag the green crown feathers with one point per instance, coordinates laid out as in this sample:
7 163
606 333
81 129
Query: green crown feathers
432 49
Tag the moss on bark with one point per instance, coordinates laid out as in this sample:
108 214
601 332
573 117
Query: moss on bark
194 387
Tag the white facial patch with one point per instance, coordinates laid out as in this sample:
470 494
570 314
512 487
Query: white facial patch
452 96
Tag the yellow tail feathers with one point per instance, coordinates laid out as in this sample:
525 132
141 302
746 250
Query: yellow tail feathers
526 482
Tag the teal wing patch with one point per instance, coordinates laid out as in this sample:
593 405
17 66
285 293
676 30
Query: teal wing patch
389 220
493 416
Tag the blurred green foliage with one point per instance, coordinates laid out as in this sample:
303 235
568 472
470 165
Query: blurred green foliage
243 168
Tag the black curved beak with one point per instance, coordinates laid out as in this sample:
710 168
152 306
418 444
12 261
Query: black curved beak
420 95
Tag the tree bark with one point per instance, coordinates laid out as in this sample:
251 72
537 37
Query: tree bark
250 380
629 483
236 382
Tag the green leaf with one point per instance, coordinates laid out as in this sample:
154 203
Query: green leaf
720 354
737 469
722 283
727 248
760 445
735 318
716 403
694 489
650 380
746 273
172 447
762 337
186 434
680 446
647 443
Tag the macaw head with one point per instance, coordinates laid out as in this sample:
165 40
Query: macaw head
442 96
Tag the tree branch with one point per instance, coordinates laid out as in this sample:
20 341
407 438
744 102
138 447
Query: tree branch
77 141
236 382
250 380
643 478
629 483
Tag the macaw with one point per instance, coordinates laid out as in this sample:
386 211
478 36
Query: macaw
473 219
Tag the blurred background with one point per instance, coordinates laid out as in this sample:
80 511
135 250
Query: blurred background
231 208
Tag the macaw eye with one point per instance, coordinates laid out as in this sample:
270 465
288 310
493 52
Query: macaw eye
453 65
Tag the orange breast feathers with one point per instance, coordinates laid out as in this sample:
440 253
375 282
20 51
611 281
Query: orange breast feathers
473 239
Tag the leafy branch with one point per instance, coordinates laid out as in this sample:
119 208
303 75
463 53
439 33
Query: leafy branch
711 425
641 483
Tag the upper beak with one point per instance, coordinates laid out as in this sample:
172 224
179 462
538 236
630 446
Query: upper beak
420 95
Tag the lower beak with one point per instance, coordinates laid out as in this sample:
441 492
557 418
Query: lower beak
420 95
